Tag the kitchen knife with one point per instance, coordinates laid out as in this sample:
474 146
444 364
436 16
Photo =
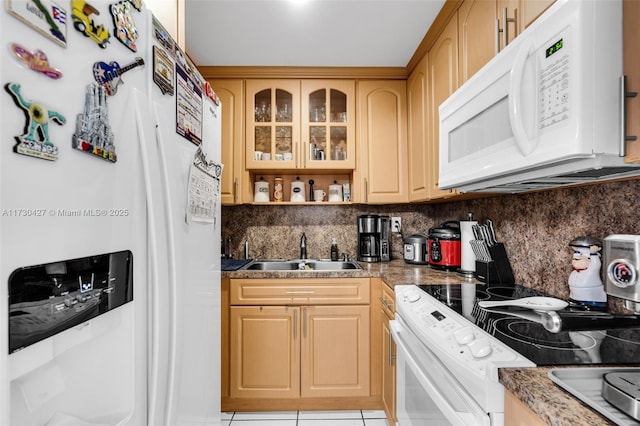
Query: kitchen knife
492 232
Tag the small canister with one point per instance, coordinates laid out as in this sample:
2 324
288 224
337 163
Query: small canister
278 189
335 192
261 191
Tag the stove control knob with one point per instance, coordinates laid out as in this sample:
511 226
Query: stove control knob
480 348
464 335
413 296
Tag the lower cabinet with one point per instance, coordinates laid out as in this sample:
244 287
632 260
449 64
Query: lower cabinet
298 344
516 413
387 305
299 351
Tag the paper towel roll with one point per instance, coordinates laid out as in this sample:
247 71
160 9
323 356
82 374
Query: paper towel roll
467 257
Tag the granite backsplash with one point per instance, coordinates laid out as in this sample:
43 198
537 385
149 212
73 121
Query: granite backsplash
535 228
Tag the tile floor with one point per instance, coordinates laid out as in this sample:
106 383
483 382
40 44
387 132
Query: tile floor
306 418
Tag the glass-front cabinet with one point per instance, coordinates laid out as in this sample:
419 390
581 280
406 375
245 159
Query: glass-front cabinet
273 124
328 130
294 124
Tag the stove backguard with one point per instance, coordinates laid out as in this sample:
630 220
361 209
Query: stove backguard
47 299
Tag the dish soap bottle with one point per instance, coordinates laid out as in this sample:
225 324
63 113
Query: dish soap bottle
334 250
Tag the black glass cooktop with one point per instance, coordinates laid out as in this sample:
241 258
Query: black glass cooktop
575 336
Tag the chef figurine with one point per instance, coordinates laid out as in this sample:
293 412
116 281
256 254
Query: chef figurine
585 284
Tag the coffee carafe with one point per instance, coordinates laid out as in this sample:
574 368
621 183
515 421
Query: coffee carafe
373 243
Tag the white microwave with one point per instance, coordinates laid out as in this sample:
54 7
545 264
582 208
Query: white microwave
547 111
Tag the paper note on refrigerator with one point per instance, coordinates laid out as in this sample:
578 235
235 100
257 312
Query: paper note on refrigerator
204 189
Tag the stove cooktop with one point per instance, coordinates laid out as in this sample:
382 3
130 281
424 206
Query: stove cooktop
586 338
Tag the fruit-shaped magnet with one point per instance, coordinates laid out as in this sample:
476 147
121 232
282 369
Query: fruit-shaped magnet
125 26
81 12
35 141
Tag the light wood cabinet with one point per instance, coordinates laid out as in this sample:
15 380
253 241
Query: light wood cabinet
476 36
300 124
265 352
443 81
381 175
516 413
631 14
334 351
298 338
518 15
387 306
272 124
328 132
231 94
417 132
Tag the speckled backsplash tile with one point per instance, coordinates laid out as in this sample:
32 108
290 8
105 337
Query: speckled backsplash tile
535 228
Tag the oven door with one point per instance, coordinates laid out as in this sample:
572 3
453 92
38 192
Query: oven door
427 393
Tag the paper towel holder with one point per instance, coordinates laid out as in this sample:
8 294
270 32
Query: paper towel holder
467 257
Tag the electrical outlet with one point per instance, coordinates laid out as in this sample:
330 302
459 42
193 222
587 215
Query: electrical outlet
396 224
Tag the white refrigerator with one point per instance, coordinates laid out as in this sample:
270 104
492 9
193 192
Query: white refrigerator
109 220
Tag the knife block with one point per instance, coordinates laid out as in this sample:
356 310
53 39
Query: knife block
498 270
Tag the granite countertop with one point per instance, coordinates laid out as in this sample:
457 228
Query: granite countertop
554 405
532 386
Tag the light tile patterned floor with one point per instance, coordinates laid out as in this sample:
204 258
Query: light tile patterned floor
306 418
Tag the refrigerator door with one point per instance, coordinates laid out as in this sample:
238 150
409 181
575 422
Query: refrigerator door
77 206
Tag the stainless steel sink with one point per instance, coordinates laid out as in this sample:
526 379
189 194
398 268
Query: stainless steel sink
300 265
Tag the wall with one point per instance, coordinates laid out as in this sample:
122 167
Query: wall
535 228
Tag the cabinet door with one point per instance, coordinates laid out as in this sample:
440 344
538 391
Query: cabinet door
272 124
388 371
265 352
382 172
328 130
443 81
417 132
532 9
476 36
231 97
631 9
335 351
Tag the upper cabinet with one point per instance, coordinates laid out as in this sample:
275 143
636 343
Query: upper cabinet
231 97
516 15
293 124
272 128
381 175
328 133
418 133
631 14
476 36
442 82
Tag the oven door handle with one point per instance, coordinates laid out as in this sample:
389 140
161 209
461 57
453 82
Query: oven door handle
443 404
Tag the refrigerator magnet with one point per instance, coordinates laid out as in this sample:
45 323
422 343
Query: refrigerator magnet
137 4
81 13
35 141
93 134
163 74
108 74
37 61
125 26
45 16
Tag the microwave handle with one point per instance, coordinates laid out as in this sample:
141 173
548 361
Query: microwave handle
515 102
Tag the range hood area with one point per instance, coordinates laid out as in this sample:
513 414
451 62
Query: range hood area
570 172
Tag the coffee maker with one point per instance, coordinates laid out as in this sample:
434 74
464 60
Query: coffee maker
373 238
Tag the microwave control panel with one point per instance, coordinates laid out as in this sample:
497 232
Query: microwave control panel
47 299
555 84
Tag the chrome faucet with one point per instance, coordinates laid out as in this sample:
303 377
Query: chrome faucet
303 246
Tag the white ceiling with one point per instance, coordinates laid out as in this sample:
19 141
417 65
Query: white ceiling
345 33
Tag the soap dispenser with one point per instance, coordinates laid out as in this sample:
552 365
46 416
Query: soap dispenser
334 250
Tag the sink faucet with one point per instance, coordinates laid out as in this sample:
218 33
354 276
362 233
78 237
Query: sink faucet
303 246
